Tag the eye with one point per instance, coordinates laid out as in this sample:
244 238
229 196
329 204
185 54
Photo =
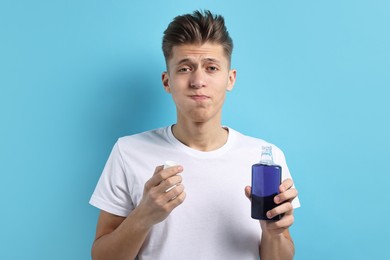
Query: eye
212 68
184 69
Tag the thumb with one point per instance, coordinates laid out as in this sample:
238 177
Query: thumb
248 191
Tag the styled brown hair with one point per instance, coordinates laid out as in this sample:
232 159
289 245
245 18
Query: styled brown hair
197 28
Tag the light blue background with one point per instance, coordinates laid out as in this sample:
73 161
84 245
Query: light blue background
76 75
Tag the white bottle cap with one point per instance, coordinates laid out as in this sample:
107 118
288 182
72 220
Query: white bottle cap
169 164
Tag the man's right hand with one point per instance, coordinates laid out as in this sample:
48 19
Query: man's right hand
162 193
122 237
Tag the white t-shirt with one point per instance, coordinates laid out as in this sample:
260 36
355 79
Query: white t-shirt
214 221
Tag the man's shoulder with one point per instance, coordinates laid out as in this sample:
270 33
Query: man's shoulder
248 141
146 137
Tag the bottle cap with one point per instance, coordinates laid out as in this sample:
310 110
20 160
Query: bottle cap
266 155
169 164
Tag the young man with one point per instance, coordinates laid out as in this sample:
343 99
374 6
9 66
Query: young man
196 209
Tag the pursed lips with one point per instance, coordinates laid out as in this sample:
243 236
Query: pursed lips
199 97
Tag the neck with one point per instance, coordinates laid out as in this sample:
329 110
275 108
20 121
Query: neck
201 136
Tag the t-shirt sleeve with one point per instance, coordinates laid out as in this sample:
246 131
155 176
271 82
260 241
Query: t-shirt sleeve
281 160
112 192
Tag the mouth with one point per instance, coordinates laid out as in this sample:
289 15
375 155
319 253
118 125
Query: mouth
199 97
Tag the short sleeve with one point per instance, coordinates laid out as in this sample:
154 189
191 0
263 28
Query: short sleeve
112 192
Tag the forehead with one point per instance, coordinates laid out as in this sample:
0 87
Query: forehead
198 52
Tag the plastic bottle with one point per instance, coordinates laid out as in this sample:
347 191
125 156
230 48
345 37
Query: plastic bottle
266 179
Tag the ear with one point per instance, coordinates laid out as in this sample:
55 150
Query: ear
165 81
232 79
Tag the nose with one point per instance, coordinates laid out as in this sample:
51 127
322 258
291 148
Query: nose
197 79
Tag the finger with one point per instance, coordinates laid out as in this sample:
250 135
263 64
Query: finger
154 180
176 201
248 191
279 210
161 174
158 169
287 195
174 192
286 184
169 183
285 222
171 171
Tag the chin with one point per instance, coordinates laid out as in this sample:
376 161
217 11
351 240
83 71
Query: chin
201 115
202 118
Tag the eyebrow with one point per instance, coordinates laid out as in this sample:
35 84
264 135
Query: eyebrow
188 60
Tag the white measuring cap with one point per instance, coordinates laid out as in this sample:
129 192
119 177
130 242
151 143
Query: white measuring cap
169 164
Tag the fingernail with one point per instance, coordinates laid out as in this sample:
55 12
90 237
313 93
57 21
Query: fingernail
269 214
277 199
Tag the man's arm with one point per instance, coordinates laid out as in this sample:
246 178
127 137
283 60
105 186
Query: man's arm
121 238
275 245
118 237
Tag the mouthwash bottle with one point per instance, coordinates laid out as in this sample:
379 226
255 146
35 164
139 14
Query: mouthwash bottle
266 179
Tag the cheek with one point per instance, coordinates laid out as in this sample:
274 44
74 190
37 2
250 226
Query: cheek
222 96
177 83
176 95
222 81
178 87
175 91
